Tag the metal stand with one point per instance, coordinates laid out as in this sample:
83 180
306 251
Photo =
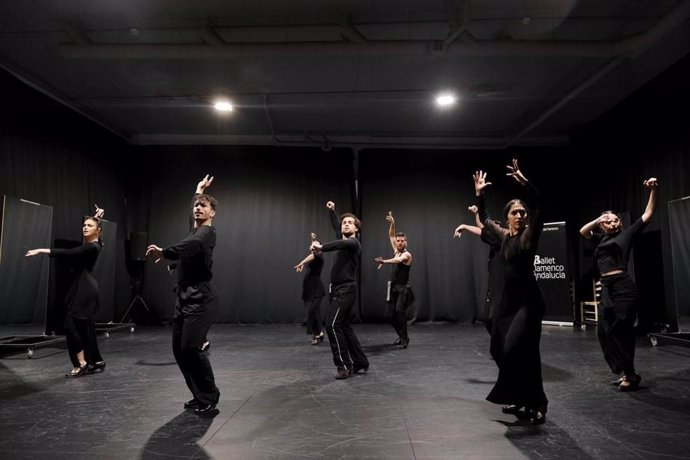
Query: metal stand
29 342
136 298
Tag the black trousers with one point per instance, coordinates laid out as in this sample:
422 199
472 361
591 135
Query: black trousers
616 326
313 307
347 351
400 298
81 336
195 311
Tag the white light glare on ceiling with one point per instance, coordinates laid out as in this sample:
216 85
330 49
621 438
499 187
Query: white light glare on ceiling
445 99
223 106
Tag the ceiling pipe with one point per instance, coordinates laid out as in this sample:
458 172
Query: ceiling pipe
211 36
349 33
334 141
421 48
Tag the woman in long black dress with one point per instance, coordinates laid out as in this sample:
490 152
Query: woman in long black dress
517 302
619 295
82 298
313 293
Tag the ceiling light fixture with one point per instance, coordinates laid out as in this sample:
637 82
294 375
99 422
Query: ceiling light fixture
223 106
445 99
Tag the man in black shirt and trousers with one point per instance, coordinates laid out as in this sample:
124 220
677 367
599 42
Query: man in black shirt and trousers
197 304
348 356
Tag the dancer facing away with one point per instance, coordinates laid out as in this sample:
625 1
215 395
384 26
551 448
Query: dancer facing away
517 302
197 304
485 314
619 295
348 356
313 292
399 296
82 299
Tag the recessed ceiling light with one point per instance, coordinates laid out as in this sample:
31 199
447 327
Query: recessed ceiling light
223 106
527 20
445 99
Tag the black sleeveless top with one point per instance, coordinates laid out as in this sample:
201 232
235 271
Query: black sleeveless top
401 274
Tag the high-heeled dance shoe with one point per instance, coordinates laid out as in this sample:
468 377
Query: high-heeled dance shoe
78 371
317 339
537 416
615 383
631 383
98 366
511 409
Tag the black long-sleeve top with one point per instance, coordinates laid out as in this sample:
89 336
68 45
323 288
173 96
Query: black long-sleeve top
514 284
312 286
345 267
82 298
613 251
194 255
335 223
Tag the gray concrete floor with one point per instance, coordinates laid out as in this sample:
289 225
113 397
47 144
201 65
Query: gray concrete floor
279 400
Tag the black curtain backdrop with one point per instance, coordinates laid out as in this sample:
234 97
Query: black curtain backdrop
271 198
105 272
428 193
269 202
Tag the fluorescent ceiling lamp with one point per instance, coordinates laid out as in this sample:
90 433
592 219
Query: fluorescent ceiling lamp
223 106
445 100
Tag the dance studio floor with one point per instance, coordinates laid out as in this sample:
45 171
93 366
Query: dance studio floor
279 400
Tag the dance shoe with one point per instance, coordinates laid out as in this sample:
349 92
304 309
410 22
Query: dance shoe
398 341
537 416
360 370
511 409
630 383
96 367
615 383
341 374
208 410
404 343
191 404
78 371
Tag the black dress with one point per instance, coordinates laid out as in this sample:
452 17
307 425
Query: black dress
82 302
518 305
313 292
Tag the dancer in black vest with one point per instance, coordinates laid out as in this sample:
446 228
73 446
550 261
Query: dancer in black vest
619 295
399 296
197 304
348 356
82 299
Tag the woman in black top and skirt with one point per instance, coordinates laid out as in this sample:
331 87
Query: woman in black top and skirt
619 295
313 293
517 302
82 298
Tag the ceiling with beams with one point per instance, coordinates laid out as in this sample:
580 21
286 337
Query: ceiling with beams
350 73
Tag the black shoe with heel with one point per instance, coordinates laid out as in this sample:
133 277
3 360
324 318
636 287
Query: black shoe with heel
208 410
511 409
537 416
78 372
96 367
191 404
